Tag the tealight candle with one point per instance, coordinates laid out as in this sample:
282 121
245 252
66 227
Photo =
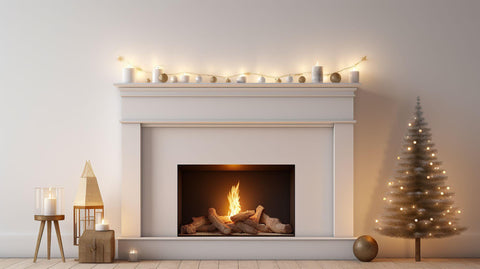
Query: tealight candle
242 79
185 78
317 73
354 76
49 206
156 74
133 255
129 74
102 226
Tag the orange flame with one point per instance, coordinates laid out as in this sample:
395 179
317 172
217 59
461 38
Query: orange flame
234 200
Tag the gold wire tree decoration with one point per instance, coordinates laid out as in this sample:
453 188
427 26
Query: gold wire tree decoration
88 205
418 203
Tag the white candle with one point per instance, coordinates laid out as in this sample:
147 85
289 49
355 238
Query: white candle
129 74
261 80
242 79
354 76
185 78
102 226
133 255
156 73
49 206
317 73
198 79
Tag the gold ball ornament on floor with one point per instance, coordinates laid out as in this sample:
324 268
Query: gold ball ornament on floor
301 79
335 77
213 79
163 77
365 248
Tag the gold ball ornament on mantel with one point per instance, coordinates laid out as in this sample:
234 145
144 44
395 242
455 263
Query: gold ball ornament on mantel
278 80
335 77
228 80
365 248
163 77
213 79
301 79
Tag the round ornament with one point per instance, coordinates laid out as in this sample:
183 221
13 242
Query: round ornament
335 77
261 80
289 79
198 79
278 80
228 80
148 80
163 77
301 79
365 248
174 79
213 79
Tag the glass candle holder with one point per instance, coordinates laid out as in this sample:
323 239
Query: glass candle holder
133 255
49 201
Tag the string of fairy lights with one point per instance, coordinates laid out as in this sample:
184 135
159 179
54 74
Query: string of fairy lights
157 72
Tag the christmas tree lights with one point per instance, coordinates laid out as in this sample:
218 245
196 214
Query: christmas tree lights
418 204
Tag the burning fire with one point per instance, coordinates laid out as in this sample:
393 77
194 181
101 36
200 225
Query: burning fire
234 200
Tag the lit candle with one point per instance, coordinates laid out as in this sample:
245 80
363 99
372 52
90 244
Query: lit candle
317 73
354 76
102 226
242 79
185 78
156 74
128 74
133 255
49 206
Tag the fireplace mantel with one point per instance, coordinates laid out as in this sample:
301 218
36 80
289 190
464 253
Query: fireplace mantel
245 106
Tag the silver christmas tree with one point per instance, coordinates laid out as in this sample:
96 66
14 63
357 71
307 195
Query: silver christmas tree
418 203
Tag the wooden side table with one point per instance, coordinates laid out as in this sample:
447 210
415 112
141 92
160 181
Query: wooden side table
48 220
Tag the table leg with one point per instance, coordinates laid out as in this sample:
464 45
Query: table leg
39 239
49 237
59 238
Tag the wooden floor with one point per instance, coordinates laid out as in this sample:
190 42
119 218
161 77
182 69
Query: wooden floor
15 263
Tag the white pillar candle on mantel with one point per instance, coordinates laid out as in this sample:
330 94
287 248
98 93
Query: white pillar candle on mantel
185 78
50 206
129 74
102 226
354 76
317 73
242 79
156 73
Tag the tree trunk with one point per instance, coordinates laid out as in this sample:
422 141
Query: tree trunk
417 250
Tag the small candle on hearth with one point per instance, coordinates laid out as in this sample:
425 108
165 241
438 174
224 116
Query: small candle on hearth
185 78
128 74
102 226
50 206
156 74
317 73
133 255
354 76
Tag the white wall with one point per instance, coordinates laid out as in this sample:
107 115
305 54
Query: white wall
59 108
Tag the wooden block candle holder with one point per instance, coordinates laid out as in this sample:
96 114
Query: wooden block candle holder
97 247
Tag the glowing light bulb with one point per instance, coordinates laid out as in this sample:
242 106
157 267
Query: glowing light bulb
376 221
429 234
401 208
459 211
428 177
448 188
433 154
409 124
416 220
401 187
390 183
428 148
431 163
389 201
398 157
449 223
384 198
419 130
409 148
444 171
441 193
414 142
431 219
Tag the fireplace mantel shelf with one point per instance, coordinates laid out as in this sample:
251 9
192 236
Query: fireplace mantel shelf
236 85
233 238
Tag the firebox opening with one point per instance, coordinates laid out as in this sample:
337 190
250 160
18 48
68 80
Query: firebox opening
206 194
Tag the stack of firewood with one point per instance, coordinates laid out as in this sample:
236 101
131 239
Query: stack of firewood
249 221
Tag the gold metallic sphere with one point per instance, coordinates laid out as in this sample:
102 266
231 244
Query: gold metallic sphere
278 80
120 58
365 248
301 79
148 80
213 79
164 77
228 80
335 77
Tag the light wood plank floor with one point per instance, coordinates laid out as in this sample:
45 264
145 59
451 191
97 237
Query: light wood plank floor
20 263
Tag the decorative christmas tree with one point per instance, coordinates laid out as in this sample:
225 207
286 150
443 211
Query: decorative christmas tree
418 203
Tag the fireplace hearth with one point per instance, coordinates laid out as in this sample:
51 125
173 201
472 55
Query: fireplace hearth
236 200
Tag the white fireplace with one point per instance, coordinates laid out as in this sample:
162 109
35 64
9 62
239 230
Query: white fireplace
309 126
